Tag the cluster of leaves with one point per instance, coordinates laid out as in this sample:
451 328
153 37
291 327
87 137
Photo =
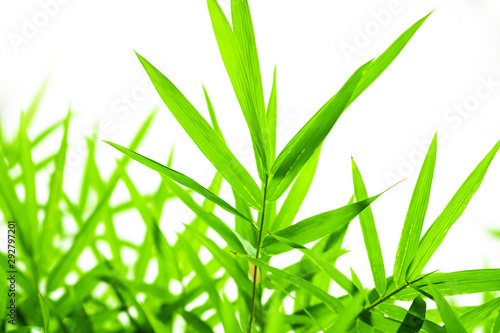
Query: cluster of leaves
113 297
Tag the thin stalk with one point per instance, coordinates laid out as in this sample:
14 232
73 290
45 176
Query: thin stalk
257 252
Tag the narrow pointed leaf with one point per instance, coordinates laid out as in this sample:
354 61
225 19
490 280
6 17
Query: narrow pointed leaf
370 234
414 221
480 314
242 77
315 227
324 265
331 302
204 136
297 194
438 230
303 145
178 177
450 319
415 317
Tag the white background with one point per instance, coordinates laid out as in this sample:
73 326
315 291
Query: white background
88 47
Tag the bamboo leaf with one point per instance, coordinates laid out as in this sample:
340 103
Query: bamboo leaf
331 302
300 148
178 177
415 318
303 145
438 230
457 283
452 323
324 265
228 320
414 221
239 54
297 194
370 235
204 136
213 221
480 314
315 227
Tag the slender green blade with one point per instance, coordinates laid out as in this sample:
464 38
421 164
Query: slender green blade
303 145
178 177
213 221
35 103
213 117
28 177
437 232
323 264
381 63
237 58
331 302
480 314
272 118
315 227
297 194
204 136
244 33
52 211
414 221
450 319
370 234
347 318
226 260
229 321
415 317
457 283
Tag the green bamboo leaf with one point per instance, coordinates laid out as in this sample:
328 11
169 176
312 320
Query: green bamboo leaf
480 314
178 177
272 118
381 63
28 177
204 136
239 54
414 319
52 211
324 265
228 319
316 227
331 302
414 221
195 322
370 234
450 319
213 221
166 256
35 103
67 261
48 131
298 150
244 33
347 318
226 260
398 313
303 145
297 194
213 117
438 230
45 313
457 283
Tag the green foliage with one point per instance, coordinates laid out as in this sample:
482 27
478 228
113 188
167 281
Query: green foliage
238 289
